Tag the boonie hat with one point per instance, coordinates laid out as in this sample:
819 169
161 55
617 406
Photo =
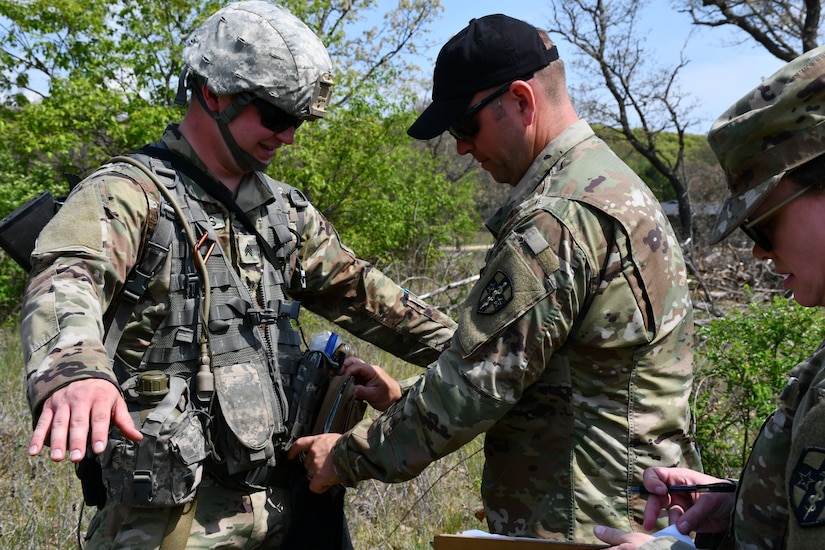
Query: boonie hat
776 127
490 51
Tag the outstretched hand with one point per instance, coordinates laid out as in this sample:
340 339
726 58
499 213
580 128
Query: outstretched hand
79 413
372 383
620 540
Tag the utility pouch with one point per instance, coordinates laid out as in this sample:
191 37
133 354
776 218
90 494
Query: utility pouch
19 230
166 466
251 414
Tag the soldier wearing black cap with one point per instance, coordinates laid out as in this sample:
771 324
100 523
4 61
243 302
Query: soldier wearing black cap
574 350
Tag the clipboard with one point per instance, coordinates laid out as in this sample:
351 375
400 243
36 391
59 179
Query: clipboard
465 542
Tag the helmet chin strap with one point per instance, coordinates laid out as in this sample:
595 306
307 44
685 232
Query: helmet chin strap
244 160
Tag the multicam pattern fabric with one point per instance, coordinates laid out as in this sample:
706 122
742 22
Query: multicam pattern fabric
83 256
225 518
85 253
780 503
573 354
780 500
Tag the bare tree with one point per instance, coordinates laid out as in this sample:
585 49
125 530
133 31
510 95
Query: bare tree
641 102
785 28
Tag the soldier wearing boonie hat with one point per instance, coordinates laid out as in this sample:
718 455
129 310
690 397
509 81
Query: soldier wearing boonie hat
771 145
188 411
765 138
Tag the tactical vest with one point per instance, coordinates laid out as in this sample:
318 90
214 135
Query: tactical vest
230 364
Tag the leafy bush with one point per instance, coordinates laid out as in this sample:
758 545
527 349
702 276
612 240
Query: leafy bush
742 364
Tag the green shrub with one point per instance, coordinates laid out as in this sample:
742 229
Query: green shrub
743 361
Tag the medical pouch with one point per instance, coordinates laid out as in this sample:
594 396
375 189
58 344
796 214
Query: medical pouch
166 466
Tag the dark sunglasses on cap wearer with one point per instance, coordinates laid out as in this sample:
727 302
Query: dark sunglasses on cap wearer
752 227
466 127
274 118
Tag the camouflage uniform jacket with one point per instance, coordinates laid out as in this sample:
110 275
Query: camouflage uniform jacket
573 353
83 256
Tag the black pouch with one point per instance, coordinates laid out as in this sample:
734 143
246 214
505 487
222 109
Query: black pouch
165 468
340 410
19 230
90 474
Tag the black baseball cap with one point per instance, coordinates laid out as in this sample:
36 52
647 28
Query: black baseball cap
490 51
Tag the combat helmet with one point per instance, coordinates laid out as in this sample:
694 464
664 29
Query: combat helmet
256 50
259 49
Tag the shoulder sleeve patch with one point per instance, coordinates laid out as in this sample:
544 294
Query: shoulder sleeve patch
508 288
807 487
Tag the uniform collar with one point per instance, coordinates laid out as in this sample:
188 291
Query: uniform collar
543 164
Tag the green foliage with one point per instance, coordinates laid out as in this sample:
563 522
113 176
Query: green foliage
385 195
746 357
696 151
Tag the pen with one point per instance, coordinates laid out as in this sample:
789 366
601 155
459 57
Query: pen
723 487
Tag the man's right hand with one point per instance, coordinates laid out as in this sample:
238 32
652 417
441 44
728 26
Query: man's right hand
372 383
78 413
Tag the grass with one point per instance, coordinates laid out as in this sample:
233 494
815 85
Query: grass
41 500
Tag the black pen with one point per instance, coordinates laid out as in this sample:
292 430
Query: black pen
723 487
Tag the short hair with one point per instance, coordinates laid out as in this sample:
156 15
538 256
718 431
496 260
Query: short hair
552 78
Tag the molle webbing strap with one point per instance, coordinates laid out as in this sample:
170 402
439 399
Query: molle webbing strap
143 475
138 279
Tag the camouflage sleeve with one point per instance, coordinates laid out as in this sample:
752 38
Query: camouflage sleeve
519 312
361 299
81 260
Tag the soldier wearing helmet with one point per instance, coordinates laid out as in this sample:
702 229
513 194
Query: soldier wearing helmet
160 343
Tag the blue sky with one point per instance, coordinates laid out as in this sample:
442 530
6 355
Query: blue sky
720 70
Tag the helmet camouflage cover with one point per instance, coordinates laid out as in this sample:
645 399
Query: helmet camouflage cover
774 128
260 48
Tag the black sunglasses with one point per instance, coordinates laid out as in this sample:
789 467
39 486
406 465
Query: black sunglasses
274 118
467 125
752 229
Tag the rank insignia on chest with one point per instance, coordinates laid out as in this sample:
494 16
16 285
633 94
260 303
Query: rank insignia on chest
496 295
807 486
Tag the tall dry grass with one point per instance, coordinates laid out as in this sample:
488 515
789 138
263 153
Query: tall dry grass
39 499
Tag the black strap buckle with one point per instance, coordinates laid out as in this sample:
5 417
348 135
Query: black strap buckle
265 316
